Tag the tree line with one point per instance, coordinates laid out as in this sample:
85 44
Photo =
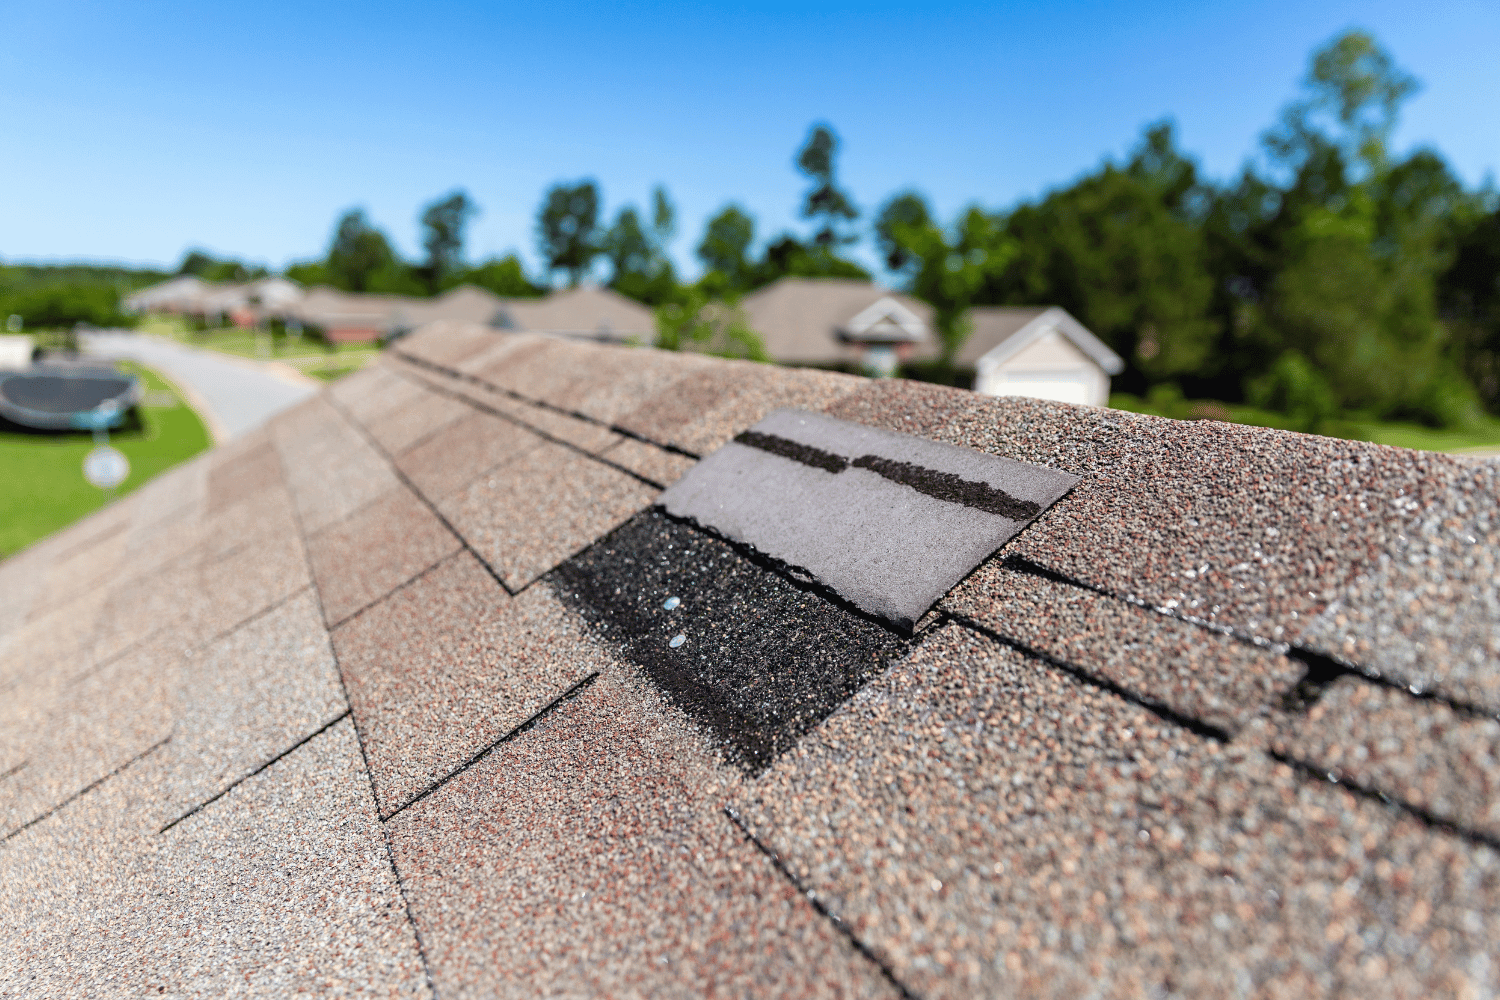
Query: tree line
1329 278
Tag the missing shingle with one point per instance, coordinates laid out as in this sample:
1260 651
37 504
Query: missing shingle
761 660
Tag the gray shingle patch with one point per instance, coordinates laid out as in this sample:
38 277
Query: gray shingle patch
887 521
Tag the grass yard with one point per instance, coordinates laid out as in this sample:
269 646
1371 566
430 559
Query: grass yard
307 353
42 487
1483 435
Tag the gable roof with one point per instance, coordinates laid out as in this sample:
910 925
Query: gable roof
1000 332
387 696
587 311
805 320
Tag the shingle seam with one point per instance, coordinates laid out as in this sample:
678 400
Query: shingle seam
1321 668
144 640
544 405
573 692
1323 775
414 579
15 770
597 456
359 739
1207 730
88 788
250 774
817 904
406 481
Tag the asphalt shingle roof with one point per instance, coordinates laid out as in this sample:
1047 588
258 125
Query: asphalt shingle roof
383 699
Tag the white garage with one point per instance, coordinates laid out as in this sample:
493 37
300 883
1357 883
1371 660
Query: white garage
1043 353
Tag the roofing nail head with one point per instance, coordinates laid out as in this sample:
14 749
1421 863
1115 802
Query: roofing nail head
671 603
677 640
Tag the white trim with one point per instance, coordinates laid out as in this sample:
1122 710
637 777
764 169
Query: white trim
909 324
1057 319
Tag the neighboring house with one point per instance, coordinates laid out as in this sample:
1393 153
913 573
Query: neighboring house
838 322
1041 352
587 312
176 295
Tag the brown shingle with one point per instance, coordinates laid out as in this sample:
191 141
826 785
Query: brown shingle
593 862
530 514
990 826
447 665
376 549
463 451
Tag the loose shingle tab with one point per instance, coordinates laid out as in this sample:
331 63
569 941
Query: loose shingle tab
887 521
416 688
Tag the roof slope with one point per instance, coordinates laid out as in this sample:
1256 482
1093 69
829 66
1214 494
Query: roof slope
798 319
380 698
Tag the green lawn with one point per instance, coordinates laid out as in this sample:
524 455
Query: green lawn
263 347
42 487
1484 434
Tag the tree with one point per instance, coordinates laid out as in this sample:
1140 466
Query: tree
1122 249
443 224
640 267
504 276
826 201
705 326
907 209
568 228
726 245
357 252
945 269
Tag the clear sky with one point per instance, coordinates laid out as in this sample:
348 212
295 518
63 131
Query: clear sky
134 131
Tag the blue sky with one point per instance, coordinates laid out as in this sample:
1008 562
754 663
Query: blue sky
135 131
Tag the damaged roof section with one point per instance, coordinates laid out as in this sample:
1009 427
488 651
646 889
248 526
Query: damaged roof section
432 688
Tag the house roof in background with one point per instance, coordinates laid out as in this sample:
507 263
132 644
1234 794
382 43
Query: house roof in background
388 697
800 319
587 311
1000 332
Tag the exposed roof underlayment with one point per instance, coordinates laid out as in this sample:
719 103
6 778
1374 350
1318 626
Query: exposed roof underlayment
416 691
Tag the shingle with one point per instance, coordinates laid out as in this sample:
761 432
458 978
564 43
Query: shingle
283 887
500 346
232 480
1254 529
1418 751
84 566
330 469
1196 673
242 701
710 405
423 414
444 667
587 858
990 826
889 522
582 434
530 514
366 394
618 380
448 344
463 451
648 461
144 605
534 370
88 730
376 549
58 643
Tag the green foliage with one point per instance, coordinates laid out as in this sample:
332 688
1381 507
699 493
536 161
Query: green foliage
358 252
637 254
1121 250
826 201
443 224
1294 387
502 275
788 257
705 326
726 245
568 228
58 296
210 268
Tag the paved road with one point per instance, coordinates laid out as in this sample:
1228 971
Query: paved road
239 394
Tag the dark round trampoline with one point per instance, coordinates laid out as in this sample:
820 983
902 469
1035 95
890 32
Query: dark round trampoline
67 398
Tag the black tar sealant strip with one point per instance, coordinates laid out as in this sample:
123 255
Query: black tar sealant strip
938 485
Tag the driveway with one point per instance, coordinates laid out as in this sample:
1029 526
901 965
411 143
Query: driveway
236 393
